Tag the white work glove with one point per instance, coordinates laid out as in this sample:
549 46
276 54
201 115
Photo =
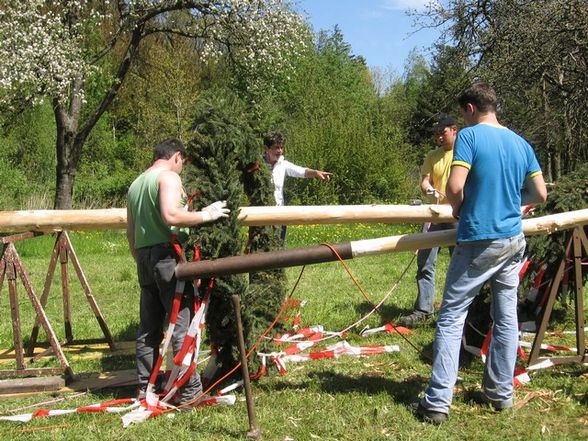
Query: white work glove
432 192
215 211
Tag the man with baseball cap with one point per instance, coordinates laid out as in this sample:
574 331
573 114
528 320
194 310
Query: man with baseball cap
434 174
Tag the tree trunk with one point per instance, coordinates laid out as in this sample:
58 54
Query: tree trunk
72 134
68 147
64 188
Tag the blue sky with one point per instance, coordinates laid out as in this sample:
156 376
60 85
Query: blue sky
379 30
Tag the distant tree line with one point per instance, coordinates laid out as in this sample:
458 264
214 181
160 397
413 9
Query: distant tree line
147 65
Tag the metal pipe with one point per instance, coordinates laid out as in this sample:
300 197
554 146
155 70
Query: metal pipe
261 261
254 431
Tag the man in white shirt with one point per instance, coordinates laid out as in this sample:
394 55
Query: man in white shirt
280 167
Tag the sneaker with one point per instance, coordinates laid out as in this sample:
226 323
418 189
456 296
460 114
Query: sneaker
480 398
413 319
426 415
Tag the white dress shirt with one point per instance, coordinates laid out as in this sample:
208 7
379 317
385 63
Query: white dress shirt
280 170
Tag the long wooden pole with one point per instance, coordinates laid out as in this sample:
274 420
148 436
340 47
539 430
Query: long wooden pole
406 242
116 218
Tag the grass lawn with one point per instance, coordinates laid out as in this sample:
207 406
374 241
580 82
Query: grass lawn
347 398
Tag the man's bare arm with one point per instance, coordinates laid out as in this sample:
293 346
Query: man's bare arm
319 174
172 212
426 184
131 233
534 190
454 189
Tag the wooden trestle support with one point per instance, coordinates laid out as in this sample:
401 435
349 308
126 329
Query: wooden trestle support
12 268
576 249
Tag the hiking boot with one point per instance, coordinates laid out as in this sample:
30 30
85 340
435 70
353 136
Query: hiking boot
480 398
413 319
426 415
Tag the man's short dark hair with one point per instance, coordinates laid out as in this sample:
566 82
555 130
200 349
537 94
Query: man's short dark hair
166 149
480 95
274 138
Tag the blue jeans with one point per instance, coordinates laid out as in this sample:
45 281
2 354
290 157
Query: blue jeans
472 264
425 276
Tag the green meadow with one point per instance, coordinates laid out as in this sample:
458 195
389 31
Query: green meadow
347 398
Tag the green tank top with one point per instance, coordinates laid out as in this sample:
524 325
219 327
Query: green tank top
143 202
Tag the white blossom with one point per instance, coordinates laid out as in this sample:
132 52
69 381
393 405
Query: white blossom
44 52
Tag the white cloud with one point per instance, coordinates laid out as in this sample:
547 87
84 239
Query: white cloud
406 4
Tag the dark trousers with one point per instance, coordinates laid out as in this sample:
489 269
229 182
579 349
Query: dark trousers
156 272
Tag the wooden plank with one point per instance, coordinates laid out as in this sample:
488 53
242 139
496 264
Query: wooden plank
77 351
84 382
31 384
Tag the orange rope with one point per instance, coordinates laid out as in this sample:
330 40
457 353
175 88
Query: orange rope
285 305
375 307
253 348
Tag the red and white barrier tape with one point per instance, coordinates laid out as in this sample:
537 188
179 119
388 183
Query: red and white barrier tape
113 406
388 328
333 351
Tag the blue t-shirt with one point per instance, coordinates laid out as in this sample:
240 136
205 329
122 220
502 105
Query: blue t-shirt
499 161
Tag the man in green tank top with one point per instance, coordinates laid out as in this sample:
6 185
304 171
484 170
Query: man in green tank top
153 209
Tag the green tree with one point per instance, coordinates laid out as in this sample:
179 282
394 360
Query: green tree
535 53
333 123
27 158
55 49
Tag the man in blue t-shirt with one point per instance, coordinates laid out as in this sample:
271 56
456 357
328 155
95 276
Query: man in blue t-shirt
494 171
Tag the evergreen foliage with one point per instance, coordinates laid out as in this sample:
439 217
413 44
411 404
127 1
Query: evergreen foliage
214 150
225 155
266 292
569 193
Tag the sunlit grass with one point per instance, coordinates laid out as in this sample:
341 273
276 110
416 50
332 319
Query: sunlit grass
347 398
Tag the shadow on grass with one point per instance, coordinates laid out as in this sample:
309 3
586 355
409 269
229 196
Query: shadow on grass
129 333
388 313
402 392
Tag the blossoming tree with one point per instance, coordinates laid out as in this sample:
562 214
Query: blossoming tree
53 49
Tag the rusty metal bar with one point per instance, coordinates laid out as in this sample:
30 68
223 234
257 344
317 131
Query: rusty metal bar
262 261
254 431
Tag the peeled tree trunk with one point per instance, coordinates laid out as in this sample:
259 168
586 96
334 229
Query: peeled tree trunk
359 248
116 218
